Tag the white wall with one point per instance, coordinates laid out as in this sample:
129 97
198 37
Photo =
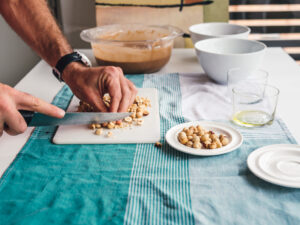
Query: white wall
77 15
16 58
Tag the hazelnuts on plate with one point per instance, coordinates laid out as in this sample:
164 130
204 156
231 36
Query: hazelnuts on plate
199 138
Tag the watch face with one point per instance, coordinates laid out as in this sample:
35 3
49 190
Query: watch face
84 59
65 60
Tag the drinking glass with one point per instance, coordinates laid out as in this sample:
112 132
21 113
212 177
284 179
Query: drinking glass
254 104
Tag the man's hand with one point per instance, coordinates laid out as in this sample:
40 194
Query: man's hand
12 100
90 84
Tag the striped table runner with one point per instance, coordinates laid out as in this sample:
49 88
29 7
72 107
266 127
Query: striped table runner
142 184
159 185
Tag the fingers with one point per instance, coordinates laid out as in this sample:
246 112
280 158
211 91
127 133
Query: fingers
29 102
133 90
91 84
9 113
12 100
15 122
126 96
116 96
121 90
110 81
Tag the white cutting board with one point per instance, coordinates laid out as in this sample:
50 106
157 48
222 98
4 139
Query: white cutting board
149 132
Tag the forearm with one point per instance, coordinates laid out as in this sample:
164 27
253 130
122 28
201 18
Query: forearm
33 21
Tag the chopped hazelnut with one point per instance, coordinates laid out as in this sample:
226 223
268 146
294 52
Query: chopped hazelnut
109 134
92 126
111 125
158 144
99 131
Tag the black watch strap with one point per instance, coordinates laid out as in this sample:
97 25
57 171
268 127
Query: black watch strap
64 61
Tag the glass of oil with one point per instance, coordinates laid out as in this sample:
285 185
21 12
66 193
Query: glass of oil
254 104
254 101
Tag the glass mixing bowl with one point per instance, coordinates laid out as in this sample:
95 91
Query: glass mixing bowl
136 48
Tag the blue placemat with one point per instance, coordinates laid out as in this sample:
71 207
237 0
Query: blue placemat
141 184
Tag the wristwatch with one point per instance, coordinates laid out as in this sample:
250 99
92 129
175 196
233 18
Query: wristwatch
75 56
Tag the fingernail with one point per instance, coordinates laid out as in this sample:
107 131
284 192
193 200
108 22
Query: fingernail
61 113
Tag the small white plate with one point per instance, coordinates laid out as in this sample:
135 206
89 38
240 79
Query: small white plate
278 164
235 138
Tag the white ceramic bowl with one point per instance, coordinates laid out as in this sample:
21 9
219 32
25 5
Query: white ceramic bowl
215 30
218 55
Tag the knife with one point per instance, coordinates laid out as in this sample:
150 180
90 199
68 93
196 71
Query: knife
34 119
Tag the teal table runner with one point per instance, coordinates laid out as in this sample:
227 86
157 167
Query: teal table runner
142 184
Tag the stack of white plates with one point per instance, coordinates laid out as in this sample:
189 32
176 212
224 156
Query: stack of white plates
278 164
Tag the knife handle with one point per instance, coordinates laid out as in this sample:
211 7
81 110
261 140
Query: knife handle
27 115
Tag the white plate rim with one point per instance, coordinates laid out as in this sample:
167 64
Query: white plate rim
202 152
252 161
262 166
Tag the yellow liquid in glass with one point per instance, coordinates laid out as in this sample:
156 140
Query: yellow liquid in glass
252 118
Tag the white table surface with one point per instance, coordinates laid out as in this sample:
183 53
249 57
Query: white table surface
284 74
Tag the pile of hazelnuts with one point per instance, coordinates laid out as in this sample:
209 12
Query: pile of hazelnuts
138 110
197 137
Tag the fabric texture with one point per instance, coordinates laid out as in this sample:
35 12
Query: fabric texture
142 184
204 99
159 186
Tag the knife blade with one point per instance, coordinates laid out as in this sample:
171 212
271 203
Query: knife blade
34 119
